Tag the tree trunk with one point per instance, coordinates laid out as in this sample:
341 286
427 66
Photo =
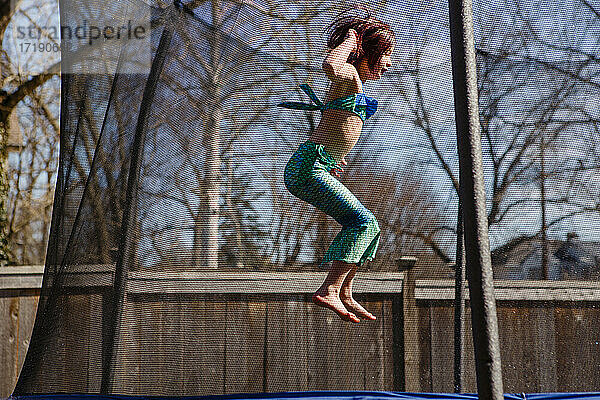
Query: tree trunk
5 252
213 162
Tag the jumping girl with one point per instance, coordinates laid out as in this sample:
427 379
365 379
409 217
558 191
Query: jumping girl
360 50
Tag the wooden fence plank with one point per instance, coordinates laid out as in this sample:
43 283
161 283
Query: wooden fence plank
592 349
151 346
28 301
287 345
511 347
94 350
75 339
470 376
317 329
129 356
566 355
442 348
424 349
525 337
335 352
205 342
266 283
348 350
389 346
212 344
9 334
545 345
174 346
245 338
375 367
584 351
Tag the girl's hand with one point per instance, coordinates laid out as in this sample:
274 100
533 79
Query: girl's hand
337 168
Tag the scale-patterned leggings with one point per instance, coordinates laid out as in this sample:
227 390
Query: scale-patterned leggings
307 177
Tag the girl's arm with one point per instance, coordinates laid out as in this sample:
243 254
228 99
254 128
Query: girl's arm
336 66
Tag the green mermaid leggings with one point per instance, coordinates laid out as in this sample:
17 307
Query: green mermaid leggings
307 177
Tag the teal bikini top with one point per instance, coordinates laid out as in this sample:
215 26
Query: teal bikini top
357 103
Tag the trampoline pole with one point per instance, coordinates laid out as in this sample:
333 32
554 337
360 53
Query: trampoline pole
459 303
126 247
472 196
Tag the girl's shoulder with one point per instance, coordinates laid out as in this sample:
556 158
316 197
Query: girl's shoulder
341 89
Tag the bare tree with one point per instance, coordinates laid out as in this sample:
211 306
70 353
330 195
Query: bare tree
224 82
550 126
530 108
32 180
25 209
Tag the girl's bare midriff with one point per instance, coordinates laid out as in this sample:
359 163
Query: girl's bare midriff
338 131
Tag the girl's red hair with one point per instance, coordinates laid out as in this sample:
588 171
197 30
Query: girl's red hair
374 37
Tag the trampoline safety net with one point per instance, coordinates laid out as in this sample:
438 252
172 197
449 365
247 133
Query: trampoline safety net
180 264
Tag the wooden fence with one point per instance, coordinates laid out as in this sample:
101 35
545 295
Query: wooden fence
212 333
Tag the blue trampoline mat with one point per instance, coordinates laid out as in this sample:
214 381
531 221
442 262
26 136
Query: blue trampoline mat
321 395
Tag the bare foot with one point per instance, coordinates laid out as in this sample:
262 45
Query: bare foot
353 305
333 302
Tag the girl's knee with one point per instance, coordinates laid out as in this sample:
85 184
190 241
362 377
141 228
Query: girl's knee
292 179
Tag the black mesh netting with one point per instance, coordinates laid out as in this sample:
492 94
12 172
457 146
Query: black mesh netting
170 190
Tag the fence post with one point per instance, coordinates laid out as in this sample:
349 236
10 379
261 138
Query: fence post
410 328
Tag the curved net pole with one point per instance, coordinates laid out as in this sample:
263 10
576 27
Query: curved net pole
472 198
126 247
